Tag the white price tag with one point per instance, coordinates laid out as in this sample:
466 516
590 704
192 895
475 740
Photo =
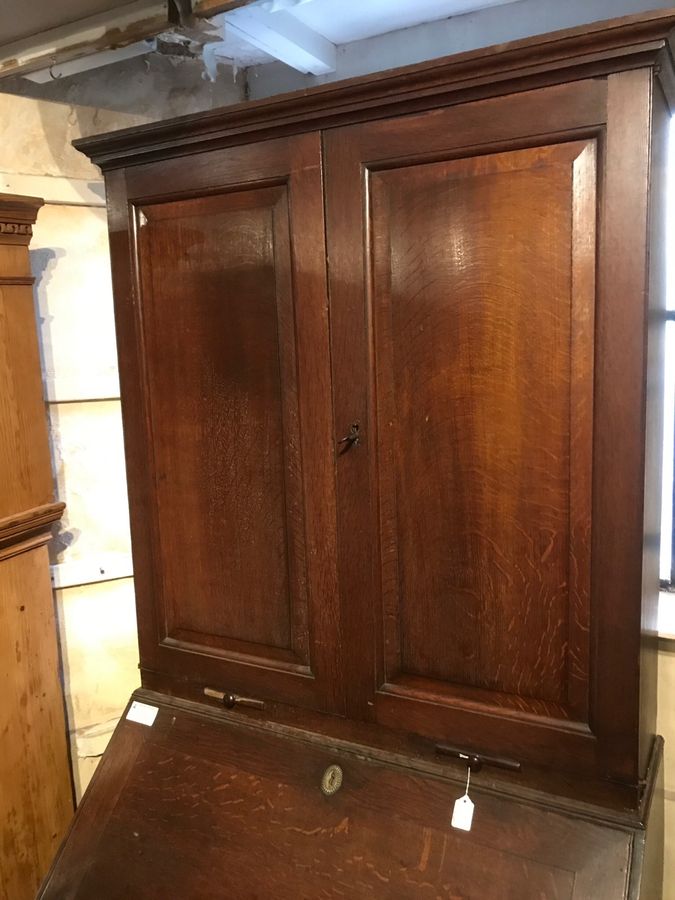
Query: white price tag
462 814
142 713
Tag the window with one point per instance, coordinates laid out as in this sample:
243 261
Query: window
668 502
667 568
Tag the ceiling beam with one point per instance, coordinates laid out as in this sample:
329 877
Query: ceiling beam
204 9
91 61
285 38
276 5
119 27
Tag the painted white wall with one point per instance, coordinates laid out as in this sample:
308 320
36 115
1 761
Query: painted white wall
470 31
91 552
69 257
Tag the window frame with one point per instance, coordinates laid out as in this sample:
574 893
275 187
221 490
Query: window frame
668 585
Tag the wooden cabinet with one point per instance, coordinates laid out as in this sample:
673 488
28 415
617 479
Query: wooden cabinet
36 798
485 259
471 236
390 361
225 360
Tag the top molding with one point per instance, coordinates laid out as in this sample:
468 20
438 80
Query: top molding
17 217
589 51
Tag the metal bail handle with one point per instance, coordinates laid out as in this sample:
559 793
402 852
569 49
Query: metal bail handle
476 761
230 700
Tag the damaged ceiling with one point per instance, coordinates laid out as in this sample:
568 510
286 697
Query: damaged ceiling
24 20
43 41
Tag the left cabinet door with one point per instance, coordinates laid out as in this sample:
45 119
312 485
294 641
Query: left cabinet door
221 304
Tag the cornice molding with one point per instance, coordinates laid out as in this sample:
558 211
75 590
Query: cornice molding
591 51
15 233
17 216
29 529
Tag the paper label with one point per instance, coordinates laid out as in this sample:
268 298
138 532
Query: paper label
142 713
462 814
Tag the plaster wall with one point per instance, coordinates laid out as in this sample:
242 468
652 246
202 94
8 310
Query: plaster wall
90 553
151 86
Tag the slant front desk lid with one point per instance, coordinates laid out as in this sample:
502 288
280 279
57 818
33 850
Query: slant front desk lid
187 804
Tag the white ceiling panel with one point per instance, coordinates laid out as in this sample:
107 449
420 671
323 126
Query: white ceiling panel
343 21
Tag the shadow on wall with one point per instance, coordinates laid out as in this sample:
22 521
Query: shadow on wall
43 263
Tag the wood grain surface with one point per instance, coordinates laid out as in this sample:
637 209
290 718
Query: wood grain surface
36 801
473 310
474 570
230 453
216 302
467 333
198 808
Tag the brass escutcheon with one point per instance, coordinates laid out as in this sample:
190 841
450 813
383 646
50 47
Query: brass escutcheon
331 782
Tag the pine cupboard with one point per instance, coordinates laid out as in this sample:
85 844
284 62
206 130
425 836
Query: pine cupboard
390 356
36 795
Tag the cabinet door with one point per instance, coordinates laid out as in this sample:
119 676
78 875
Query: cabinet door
223 332
462 275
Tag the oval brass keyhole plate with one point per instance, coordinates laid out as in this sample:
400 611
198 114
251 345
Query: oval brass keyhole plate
331 782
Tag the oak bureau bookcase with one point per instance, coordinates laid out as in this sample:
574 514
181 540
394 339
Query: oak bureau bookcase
390 357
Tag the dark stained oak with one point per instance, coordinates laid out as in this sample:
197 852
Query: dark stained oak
473 317
629 366
225 366
222 381
466 247
201 808
473 311
475 375
389 355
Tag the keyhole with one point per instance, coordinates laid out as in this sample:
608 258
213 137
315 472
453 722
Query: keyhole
351 439
332 780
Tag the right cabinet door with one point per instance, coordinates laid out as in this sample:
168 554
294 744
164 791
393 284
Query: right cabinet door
462 249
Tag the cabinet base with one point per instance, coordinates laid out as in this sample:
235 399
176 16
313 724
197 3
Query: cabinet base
199 804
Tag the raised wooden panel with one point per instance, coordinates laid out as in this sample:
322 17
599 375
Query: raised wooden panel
463 290
225 368
36 802
24 452
222 379
482 351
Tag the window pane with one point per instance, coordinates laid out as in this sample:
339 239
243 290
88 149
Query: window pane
669 423
668 450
